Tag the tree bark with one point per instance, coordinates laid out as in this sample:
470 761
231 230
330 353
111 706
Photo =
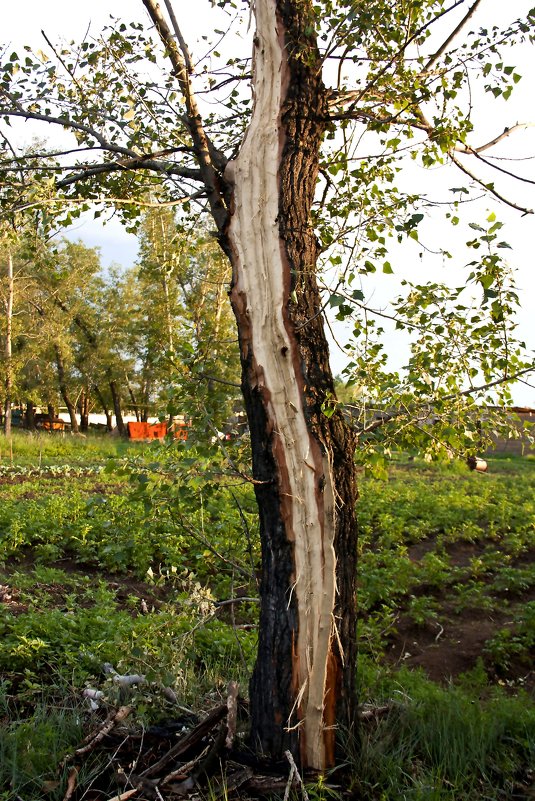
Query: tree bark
303 683
30 415
303 466
64 390
8 346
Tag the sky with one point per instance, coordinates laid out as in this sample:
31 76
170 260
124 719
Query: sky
22 24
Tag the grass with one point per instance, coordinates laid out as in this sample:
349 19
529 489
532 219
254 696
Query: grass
453 742
106 563
40 449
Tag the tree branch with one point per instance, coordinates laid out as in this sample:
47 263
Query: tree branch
501 169
489 188
386 418
65 122
434 58
506 132
204 151
142 162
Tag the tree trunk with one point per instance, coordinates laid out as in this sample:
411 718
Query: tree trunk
8 347
303 466
83 408
30 415
303 683
135 406
117 408
64 391
104 406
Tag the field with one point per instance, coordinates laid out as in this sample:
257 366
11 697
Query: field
120 561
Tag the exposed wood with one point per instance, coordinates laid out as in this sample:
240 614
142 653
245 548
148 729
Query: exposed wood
303 460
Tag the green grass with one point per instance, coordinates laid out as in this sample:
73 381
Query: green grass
41 449
476 539
84 538
455 743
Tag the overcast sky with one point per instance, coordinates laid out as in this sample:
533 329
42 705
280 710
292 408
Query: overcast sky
22 23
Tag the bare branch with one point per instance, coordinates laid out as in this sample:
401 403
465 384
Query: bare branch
181 41
141 162
501 169
434 58
489 187
210 161
506 132
113 201
65 122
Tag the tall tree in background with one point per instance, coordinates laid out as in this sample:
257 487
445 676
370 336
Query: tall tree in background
8 348
188 326
393 81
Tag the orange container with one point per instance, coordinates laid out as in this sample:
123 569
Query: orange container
147 430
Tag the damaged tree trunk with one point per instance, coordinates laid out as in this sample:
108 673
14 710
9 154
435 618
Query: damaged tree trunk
303 686
303 683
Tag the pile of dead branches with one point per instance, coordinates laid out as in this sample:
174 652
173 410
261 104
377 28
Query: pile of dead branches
183 758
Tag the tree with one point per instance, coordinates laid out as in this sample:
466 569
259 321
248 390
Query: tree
185 323
8 350
392 80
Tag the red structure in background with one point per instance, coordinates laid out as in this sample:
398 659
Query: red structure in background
148 431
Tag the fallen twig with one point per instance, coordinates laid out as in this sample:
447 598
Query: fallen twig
94 738
183 771
125 795
293 768
232 713
189 740
71 783
110 723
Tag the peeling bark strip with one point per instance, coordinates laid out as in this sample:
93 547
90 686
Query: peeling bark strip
307 630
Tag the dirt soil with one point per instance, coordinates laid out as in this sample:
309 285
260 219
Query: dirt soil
453 643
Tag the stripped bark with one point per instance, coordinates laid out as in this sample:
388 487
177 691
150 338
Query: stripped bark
303 682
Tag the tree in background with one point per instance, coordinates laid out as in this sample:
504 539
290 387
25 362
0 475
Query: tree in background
290 191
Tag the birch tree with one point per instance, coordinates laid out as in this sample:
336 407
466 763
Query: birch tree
258 169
